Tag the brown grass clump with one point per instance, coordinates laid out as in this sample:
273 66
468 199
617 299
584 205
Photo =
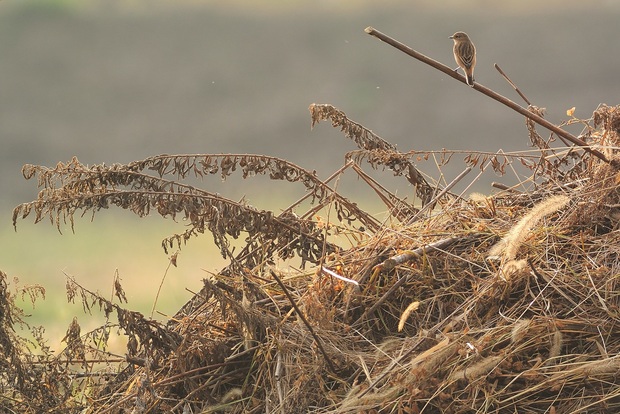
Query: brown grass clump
488 304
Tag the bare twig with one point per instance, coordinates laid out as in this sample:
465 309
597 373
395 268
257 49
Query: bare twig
502 186
432 203
511 83
319 343
161 283
527 101
491 94
397 207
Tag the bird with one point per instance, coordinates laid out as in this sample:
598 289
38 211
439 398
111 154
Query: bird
465 55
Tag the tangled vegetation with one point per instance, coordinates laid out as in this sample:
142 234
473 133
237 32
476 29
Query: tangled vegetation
495 303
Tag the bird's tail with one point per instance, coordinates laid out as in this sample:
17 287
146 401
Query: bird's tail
470 79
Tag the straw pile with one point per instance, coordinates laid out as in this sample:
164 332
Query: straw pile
486 304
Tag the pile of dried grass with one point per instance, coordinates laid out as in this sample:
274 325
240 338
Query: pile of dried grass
504 303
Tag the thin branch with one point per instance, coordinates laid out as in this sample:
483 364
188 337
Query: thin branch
491 94
527 101
432 203
397 207
305 321
308 194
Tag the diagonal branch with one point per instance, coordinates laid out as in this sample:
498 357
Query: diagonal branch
319 343
491 94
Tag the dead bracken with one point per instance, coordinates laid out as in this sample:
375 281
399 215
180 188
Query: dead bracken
511 301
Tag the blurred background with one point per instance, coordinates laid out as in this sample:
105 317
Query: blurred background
116 81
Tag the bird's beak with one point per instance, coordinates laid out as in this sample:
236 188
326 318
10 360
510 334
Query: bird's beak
451 37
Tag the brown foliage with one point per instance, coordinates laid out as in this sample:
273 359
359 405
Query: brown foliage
534 331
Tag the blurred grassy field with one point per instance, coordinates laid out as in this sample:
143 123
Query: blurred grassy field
38 254
116 81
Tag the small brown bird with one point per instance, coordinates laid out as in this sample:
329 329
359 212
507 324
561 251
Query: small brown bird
465 55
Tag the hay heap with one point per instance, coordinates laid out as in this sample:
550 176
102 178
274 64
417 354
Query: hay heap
492 304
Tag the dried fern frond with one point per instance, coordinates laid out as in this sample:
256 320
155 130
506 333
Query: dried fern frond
363 137
80 178
376 150
72 187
